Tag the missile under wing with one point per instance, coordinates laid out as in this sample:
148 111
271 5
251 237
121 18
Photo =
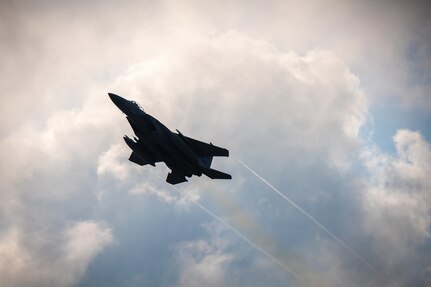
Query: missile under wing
154 142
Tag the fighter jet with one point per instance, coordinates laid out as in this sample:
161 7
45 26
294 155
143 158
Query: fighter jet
154 142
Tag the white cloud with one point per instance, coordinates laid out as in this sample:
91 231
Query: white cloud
208 270
238 85
397 204
83 241
295 115
179 197
47 177
313 108
204 262
269 106
51 259
112 161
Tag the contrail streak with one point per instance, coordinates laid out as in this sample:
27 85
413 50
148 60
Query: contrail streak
257 247
312 219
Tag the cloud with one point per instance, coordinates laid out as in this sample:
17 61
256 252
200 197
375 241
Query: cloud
83 241
397 204
220 259
249 81
48 177
264 104
109 162
204 262
285 86
51 258
386 43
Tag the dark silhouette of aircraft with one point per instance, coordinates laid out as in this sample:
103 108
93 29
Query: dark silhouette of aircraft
154 143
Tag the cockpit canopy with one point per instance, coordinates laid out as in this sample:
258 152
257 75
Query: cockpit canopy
138 105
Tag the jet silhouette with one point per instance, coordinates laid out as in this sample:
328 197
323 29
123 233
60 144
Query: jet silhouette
154 142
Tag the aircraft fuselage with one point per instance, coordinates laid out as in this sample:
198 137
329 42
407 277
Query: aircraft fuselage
155 143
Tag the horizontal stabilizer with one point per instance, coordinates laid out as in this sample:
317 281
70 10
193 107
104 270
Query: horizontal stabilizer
175 178
203 149
134 157
215 174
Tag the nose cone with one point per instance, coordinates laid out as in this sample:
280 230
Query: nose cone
120 102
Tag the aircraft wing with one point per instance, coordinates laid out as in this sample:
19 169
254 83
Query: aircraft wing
203 149
215 174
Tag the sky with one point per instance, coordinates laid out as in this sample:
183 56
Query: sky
325 107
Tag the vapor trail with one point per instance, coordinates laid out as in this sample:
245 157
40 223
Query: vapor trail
312 219
257 247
